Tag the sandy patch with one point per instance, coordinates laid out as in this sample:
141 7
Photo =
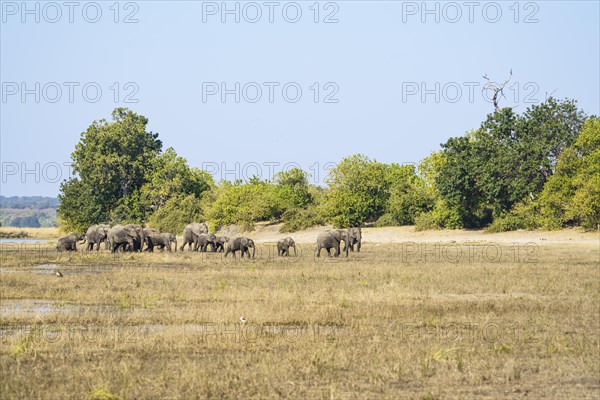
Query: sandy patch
264 233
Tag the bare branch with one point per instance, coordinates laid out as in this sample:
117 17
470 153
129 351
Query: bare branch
497 89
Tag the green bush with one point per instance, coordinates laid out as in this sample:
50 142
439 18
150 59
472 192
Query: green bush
524 215
387 219
297 219
176 213
572 194
442 216
244 204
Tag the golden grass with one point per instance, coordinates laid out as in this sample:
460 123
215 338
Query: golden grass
386 323
29 233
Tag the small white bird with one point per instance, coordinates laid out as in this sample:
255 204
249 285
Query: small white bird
243 320
58 273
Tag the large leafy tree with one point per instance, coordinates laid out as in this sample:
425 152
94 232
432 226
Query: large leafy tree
171 176
572 195
294 188
358 191
457 179
112 161
409 195
507 159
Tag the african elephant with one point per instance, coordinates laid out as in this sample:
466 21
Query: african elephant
126 236
283 246
240 244
221 241
332 239
160 240
147 233
355 238
95 235
190 234
69 242
203 240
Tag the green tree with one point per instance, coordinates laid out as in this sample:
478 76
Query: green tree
77 209
358 191
572 195
409 196
171 176
178 211
456 180
112 160
243 203
294 188
509 158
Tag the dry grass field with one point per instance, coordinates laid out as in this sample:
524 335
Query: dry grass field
421 319
29 233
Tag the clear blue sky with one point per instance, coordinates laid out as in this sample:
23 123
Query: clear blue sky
376 55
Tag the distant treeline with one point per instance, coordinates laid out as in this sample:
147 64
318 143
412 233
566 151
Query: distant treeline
33 202
538 169
28 211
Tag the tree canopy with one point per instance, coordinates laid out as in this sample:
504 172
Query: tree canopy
540 168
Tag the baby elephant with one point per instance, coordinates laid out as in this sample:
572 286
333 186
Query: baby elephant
241 244
220 243
283 246
160 240
68 243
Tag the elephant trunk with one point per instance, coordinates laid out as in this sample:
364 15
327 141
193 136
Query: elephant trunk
175 241
294 246
253 250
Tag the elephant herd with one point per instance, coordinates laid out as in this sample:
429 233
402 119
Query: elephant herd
196 236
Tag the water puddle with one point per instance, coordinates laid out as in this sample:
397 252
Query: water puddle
50 269
33 307
9 240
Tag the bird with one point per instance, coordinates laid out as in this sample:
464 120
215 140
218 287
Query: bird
243 320
58 273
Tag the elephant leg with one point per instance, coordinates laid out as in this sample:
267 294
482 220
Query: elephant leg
318 251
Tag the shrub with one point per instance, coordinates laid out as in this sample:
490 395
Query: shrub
442 216
524 215
297 219
176 213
